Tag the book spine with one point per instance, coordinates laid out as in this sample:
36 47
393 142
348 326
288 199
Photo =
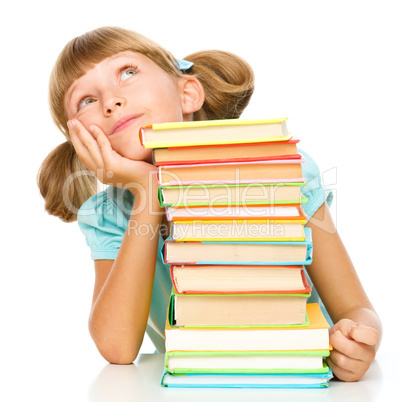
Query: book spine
141 135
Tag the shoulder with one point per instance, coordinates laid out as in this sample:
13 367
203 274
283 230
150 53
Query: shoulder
314 190
103 219
310 167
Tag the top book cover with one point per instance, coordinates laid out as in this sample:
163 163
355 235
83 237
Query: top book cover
213 132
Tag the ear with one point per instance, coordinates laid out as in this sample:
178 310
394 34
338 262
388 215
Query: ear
192 96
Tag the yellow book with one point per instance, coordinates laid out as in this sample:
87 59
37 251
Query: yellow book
213 132
314 336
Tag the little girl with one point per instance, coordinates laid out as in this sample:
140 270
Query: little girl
105 85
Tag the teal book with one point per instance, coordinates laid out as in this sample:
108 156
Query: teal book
239 252
298 380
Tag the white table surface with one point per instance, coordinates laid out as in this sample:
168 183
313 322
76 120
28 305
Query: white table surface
141 382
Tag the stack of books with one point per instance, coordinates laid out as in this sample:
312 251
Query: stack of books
238 313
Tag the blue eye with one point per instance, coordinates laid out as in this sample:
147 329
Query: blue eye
128 72
85 101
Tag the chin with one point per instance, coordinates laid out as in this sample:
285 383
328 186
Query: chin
131 149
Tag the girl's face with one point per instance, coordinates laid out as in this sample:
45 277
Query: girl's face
123 93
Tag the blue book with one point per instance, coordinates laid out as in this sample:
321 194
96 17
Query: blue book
301 380
239 252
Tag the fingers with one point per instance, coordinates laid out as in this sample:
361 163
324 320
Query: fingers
343 326
342 373
85 145
80 148
107 153
96 153
359 333
346 368
367 335
351 348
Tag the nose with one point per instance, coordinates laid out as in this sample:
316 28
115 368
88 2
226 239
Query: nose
112 103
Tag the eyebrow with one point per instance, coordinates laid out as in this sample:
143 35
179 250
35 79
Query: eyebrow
111 58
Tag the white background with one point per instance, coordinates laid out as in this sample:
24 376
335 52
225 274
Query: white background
330 67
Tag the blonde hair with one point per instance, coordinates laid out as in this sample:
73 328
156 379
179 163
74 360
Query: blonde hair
228 83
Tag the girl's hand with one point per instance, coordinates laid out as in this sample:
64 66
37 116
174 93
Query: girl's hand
97 155
354 348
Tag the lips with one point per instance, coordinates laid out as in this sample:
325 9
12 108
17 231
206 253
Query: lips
124 122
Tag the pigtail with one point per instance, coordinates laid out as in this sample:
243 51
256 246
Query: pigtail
65 183
228 82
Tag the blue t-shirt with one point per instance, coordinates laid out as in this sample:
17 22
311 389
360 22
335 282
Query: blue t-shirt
104 218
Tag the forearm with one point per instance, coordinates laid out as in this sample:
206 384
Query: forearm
119 314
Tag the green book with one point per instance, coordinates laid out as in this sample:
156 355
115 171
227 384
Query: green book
307 361
232 194
238 310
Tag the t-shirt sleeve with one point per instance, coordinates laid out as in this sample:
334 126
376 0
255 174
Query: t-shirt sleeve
103 219
314 190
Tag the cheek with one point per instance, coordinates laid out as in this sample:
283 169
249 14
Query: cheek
167 102
131 148
88 117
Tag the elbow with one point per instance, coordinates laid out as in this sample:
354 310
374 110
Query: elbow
117 356
117 353
115 350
